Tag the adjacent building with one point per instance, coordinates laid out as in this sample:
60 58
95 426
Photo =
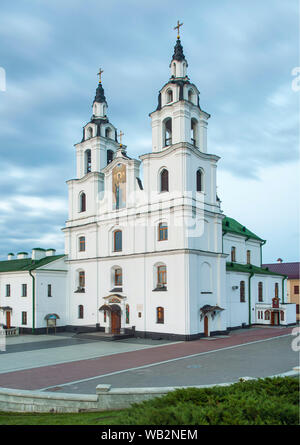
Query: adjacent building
292 272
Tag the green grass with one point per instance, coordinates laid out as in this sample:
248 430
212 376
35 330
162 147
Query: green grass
258 402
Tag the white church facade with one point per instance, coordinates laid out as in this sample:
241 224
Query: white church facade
148 250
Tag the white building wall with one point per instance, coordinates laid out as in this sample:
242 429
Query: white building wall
18 303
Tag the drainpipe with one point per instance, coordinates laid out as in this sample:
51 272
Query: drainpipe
33 301
249 296
283 288
224 233
262 244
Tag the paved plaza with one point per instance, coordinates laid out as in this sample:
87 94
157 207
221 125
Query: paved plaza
67 363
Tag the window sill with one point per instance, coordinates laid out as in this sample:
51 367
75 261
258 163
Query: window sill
79 291
206 292
159 289
116 289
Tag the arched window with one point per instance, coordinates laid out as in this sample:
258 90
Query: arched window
80 311
89 133
160 317
242 292
199 180
82 244
276 290
164 181
110 156
168 132
127 314
169 96
248 256
260 291
174 69
194 132
82 203
233 254
267 315
88 161
190 95
117 240
162 232
118 278
81 279
161 276
108 133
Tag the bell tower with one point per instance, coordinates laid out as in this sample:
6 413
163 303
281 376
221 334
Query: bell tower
99 140
178 116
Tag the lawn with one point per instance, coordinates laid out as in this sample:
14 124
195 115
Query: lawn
270 401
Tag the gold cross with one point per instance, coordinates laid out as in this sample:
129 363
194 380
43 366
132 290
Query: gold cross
120 136
177 27
99 74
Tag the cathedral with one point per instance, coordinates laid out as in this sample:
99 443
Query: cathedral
148 250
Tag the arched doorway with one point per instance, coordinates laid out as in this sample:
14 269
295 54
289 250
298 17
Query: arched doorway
206 332
115 317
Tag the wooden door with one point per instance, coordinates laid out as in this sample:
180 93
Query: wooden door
115 322
8 319
206 326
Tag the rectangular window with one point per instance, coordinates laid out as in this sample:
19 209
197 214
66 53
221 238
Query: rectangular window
296 290
24 317
242 292
81 279
82 244
276 290
160 317
8 290
163 232
24 290
161 276
297 308
117 241
248 256
260 291
118 277
49 290
233 254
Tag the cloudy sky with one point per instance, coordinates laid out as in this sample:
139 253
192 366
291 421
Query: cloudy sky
241 55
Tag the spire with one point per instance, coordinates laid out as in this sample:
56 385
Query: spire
100 97
178 52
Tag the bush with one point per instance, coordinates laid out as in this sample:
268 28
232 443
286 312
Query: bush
270 401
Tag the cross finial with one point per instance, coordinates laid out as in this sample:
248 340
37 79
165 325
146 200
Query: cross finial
178 27
99 74
120 136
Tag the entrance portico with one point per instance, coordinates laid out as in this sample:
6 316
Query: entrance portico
114 319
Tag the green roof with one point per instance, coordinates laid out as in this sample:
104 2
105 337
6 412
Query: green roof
26 263
232 226
249 268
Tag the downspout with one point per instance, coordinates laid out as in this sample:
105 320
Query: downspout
224 233
249 296
283 288
33 301
262 244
